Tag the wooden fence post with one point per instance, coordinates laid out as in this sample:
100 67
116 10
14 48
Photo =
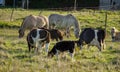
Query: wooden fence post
12 10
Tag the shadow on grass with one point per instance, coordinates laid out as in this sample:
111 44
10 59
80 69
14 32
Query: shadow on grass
23 56
115 51
19 53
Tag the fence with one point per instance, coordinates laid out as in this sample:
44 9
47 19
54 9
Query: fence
87 18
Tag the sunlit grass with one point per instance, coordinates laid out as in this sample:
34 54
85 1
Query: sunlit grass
14 55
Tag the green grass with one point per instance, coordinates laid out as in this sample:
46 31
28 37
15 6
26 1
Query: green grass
14 55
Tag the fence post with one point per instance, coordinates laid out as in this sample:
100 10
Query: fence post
12 10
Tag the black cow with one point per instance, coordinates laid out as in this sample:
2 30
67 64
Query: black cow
63 46
94 37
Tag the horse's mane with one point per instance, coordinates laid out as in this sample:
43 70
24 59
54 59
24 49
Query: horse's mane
76 24
25 20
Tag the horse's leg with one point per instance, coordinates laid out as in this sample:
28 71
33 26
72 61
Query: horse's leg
67 32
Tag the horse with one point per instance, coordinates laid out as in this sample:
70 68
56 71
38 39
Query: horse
64 21
30 22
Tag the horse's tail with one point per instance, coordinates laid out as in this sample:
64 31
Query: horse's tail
46 22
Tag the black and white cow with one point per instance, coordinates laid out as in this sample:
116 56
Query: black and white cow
63 46
94 37
37 38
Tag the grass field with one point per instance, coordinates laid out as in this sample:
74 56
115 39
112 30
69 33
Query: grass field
14 55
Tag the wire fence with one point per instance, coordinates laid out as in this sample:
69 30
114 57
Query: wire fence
86 18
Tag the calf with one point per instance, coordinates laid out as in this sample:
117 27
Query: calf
37 38
93 37
61 47
55 34
115 34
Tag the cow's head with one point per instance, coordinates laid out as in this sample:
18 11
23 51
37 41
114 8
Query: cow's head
50 54
79 43
113 31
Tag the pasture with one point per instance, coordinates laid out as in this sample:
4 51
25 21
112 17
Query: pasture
14 55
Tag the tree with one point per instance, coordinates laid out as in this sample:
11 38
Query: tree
25 4
75 4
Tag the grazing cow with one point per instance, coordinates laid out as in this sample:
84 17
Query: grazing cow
37 38
92 37
115 34
61 47
55 34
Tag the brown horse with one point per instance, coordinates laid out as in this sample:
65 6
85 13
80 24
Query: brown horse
31 22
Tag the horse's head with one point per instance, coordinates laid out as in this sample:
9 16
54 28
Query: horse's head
21 33
76 32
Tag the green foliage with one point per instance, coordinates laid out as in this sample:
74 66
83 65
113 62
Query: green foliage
55 3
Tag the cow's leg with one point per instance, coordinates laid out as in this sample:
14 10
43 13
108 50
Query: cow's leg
72 54
103 44
29 46
113 38
47 47
80 47
96 43
57 52
37 47
88 46
99 46
36 50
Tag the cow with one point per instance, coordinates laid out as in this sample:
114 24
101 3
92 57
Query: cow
92 37
36 38
55 34
115 34
63 46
